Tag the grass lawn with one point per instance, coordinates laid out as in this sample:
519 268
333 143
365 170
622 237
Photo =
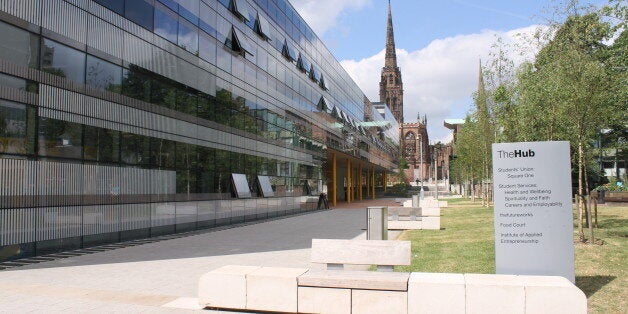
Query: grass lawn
466 245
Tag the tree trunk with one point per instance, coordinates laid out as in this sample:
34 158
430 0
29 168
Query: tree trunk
587 215
580 191
595 208
592 239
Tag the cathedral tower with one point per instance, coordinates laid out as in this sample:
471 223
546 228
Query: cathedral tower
390 85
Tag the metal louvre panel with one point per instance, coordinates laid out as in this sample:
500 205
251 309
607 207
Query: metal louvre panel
186 212
83 4
138 51
28 10
65 19
101 219
163 214
165 63
17 226
58 222
134 216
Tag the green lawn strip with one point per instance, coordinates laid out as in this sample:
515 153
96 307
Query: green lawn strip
466 245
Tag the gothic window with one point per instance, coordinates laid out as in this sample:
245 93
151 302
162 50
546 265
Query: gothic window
410 136
410 150
390 79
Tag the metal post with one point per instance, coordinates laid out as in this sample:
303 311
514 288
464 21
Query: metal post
348 180
360 181
334 174
373 182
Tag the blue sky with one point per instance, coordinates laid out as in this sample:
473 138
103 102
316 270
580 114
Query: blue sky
438 44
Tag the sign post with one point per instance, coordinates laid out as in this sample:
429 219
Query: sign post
533 209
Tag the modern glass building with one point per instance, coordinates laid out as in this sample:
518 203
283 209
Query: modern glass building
129 119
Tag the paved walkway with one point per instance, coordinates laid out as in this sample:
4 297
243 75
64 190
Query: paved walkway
162 276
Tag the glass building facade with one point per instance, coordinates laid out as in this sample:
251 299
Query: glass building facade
127 119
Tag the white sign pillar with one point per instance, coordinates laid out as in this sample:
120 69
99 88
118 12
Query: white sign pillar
533 209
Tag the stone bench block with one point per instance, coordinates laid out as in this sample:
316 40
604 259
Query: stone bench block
430 211
361 252
224 287
378 302
324 300
273 289
365 280
405 225
430 223
494 294
436 293
553 295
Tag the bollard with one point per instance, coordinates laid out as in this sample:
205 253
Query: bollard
377 223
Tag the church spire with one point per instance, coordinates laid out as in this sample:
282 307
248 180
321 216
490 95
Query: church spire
391 55
391 85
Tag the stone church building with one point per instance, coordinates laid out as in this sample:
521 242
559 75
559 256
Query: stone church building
414 141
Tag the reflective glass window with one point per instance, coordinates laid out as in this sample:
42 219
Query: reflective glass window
104 75
289 52
18 46
164 94
206 105
18 83
63 61
136 85
188 36
113 5
208 19
262 27
172 4
59 138
162 153
223 58
251 18
207 48
225 3
187 102
101 145
239 8
13 128
134 149
189 9
166 24
140 12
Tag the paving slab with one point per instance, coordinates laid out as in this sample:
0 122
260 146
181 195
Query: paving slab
163 276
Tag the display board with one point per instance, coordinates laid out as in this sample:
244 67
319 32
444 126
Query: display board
533 209
265 187
240 185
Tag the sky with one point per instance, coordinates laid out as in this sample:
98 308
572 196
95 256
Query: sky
439 44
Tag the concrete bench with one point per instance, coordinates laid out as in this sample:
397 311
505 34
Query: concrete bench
413 218
301 290
385 254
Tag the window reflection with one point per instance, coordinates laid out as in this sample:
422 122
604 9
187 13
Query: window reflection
188 37
134 149
59 138
104 75
101 144
166 24
63 61
18 46
13 128
113 5
140 12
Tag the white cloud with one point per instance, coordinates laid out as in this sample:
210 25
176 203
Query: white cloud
439 79
323 15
